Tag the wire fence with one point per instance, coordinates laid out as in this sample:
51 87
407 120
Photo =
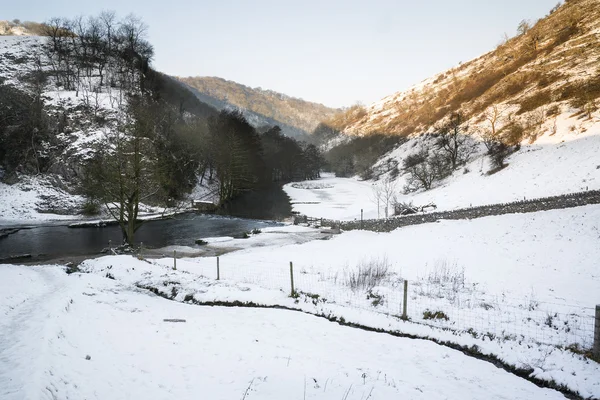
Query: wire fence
442 299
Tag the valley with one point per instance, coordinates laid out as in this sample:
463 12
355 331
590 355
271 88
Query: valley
442 242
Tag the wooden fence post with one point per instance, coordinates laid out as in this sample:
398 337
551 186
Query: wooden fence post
404 305
109 246
361 218
218 270
596 350
175 260
292 279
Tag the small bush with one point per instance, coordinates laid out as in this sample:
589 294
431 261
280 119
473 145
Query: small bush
256 231
427 314
377 299
513 134
90 207
535 101
447 275
498 152
553 111
188 298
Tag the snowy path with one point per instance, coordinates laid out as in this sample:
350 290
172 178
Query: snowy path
54 321
26 331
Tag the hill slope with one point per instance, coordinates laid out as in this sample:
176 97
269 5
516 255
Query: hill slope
261 107
549 68
533 101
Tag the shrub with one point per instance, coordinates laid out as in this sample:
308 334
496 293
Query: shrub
447 275
414 160
498 152
90 207
427 314
368 274
553 111
535 101
513 134
423 175
377 299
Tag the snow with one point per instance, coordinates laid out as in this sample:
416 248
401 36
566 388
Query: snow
205 192
19 48
85 336
547 361
562 163
332 198
270 237
557 164
24 201
114 319
519 275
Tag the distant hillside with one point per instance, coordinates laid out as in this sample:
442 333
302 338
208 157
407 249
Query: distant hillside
550 67
261 107
18 28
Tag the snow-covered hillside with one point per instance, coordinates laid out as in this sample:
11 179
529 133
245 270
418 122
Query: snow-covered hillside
79 114
536 96
560 163
50 196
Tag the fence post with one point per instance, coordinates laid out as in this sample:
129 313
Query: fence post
404 315
141 254
218 270
292 279
109 246
175 260
361 218
596 350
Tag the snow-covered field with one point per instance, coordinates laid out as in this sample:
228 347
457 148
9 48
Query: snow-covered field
84 336
519 287
524 275
565 162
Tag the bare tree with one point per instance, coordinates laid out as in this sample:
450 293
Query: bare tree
523 27
377 197
125 172
423 169
384 194
490 135
453 141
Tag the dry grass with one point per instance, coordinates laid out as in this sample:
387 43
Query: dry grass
524 70
368 274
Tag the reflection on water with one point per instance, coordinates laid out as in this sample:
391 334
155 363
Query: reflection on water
181 230
270 203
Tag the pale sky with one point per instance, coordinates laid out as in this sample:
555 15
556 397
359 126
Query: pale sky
332 52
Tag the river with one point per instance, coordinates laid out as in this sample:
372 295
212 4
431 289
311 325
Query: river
252 210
